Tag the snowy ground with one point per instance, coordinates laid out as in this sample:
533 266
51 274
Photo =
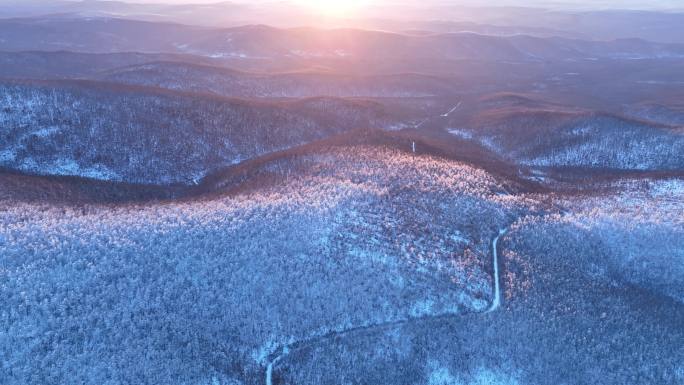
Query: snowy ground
575 309
193 290
348 265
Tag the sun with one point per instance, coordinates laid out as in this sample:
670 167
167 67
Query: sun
336 8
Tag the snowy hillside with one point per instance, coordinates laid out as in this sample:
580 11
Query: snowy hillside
563 137
151 137
389 235
188 77
306 192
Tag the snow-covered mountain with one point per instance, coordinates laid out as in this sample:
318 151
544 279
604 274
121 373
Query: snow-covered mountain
546 135
425 194
150 136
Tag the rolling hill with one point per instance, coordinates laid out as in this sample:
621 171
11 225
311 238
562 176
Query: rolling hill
356 223
539 134
151 136
226 82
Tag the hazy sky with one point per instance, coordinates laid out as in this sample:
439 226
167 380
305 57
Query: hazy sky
590 4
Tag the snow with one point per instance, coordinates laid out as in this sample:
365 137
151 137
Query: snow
44 132
261 355
98 172
536 175
642 231
461 133
679 372
582 130
422 308
669 187
489 377
7 155
458 237
68 167
54 127
223 55
490 144
615 151
441 375
396 127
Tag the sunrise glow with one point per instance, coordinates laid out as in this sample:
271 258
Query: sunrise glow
386 192
337 8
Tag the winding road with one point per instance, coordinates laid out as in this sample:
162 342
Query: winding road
496 302
451 110
285 350
444 115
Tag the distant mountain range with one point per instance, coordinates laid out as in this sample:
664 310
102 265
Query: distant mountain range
268 49
605 24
